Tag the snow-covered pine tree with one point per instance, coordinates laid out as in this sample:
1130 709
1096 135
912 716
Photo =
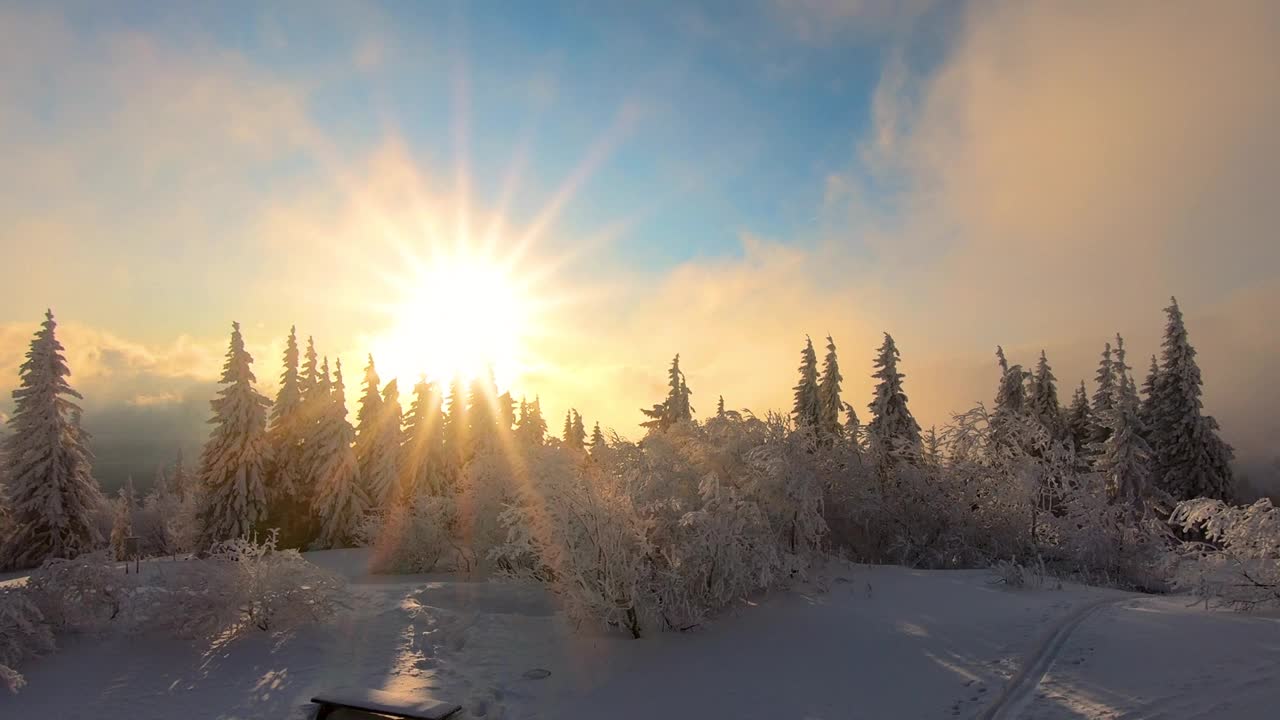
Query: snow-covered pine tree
182 482
531 429
284 430
806 409
829 404
1106 380
122 519
482 415
1191 460
1043 399
456 425
1146 406
579 432
1124 456
852 427
233 464
598 442
1080 424
423 442
368 416
1011 403
384 456
932 448
893 433
506 413
52 495
676 407
339 501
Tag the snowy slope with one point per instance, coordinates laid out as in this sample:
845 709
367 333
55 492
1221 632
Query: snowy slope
880 642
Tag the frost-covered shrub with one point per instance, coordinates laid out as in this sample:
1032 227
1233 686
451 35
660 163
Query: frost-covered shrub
83 594
486 485
412 538
275 589
242 583
24 635
660 534
1239 565
577 530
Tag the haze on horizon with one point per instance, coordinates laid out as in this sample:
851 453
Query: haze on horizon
605 186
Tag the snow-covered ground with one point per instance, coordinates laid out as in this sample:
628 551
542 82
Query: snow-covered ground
857 642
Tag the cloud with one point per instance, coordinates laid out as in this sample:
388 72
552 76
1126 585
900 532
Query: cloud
1064 170
822 22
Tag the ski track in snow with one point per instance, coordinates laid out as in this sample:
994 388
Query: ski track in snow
1020 689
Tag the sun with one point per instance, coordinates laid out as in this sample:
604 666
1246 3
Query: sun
460 315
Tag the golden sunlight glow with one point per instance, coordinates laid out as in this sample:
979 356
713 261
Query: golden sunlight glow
460 315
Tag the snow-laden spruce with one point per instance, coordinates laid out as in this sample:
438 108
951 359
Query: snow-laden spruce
1191 460
892 432
575 431
368 415
285 428
676 408
1105 378
1080 424
829 405
235 458
125 505
339 501
1123 458
1042 398
805 410
1011 400
423 453
599 444
531 428
52 495
383 481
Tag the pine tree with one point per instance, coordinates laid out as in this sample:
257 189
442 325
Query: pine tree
1191 460
575 434
1106 379
719 408
122 520
482 415
932 447
423 442
285 429
233 465
1146 408
384 454
1011 403
456 424
676 407
339 500
893 433
1042 401
368 416
598 442
1123 457
52 496
806 409
183 484
852 428
531 429
1080 424
829 404
579 431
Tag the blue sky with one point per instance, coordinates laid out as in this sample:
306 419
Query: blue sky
717 179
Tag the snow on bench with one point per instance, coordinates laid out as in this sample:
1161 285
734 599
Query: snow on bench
415 706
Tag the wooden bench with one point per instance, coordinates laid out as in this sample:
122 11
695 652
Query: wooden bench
414 707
